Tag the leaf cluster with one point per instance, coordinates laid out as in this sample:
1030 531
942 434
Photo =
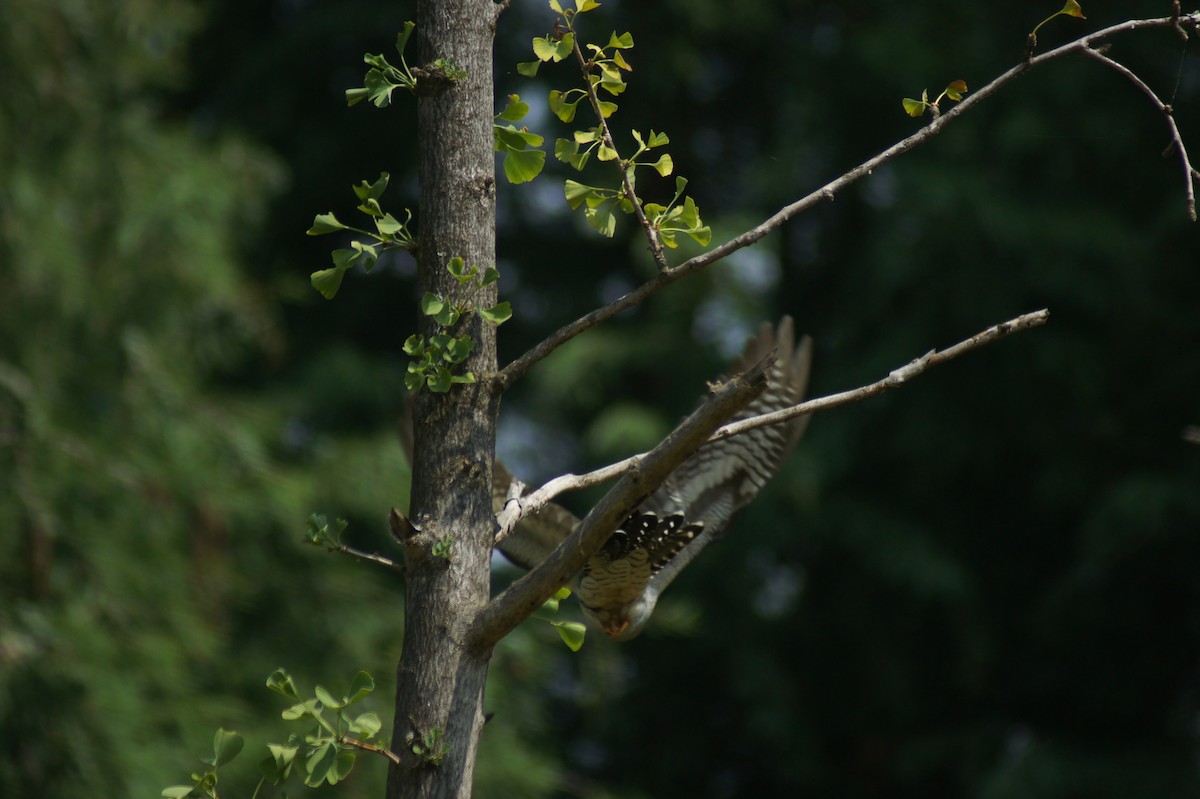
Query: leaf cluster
430 747
443 547
227 745
603 68
522 160
572 633
322 756
389 234
320 534
676 217
383 78
915 108
435 357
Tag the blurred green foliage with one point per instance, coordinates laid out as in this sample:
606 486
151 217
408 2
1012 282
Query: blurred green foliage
983 584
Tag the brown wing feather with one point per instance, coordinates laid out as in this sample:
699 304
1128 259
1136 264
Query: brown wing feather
721 478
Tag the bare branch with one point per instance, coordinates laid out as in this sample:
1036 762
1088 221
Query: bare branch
1189 174
516 508
894 379
370 557
515 603
513 371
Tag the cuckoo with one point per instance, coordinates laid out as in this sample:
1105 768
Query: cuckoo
619 586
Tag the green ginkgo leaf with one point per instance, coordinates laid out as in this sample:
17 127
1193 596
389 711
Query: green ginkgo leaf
571 632
327 281
432 304
325 223
522 166
622 42
498 314
514 110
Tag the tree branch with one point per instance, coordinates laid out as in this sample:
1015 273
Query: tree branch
894 379
366 747
656 247
1189 174
514 370
515 509
370 557
642 477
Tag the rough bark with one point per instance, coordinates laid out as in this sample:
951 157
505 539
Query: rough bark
439 682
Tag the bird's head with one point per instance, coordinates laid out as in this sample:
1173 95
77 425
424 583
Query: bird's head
622 622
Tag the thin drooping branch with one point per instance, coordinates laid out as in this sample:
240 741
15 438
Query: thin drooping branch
652 237
515 603
514 370
1189 174
516 508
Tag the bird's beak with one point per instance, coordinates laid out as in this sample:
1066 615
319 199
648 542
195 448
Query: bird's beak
614 631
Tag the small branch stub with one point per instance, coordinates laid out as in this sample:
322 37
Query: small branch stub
438 77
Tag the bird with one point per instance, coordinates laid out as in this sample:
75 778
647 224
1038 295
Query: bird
619 586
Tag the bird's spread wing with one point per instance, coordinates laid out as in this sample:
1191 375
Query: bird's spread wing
619 585
721 478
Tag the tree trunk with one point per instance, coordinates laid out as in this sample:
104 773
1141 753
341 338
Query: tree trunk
439 682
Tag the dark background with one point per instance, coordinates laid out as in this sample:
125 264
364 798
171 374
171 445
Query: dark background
983 584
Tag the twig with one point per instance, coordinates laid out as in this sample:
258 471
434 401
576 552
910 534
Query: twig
368 556
366 747
894 379
514 370
1189 174
524 596
514 510
517 507
656 247
1176 11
